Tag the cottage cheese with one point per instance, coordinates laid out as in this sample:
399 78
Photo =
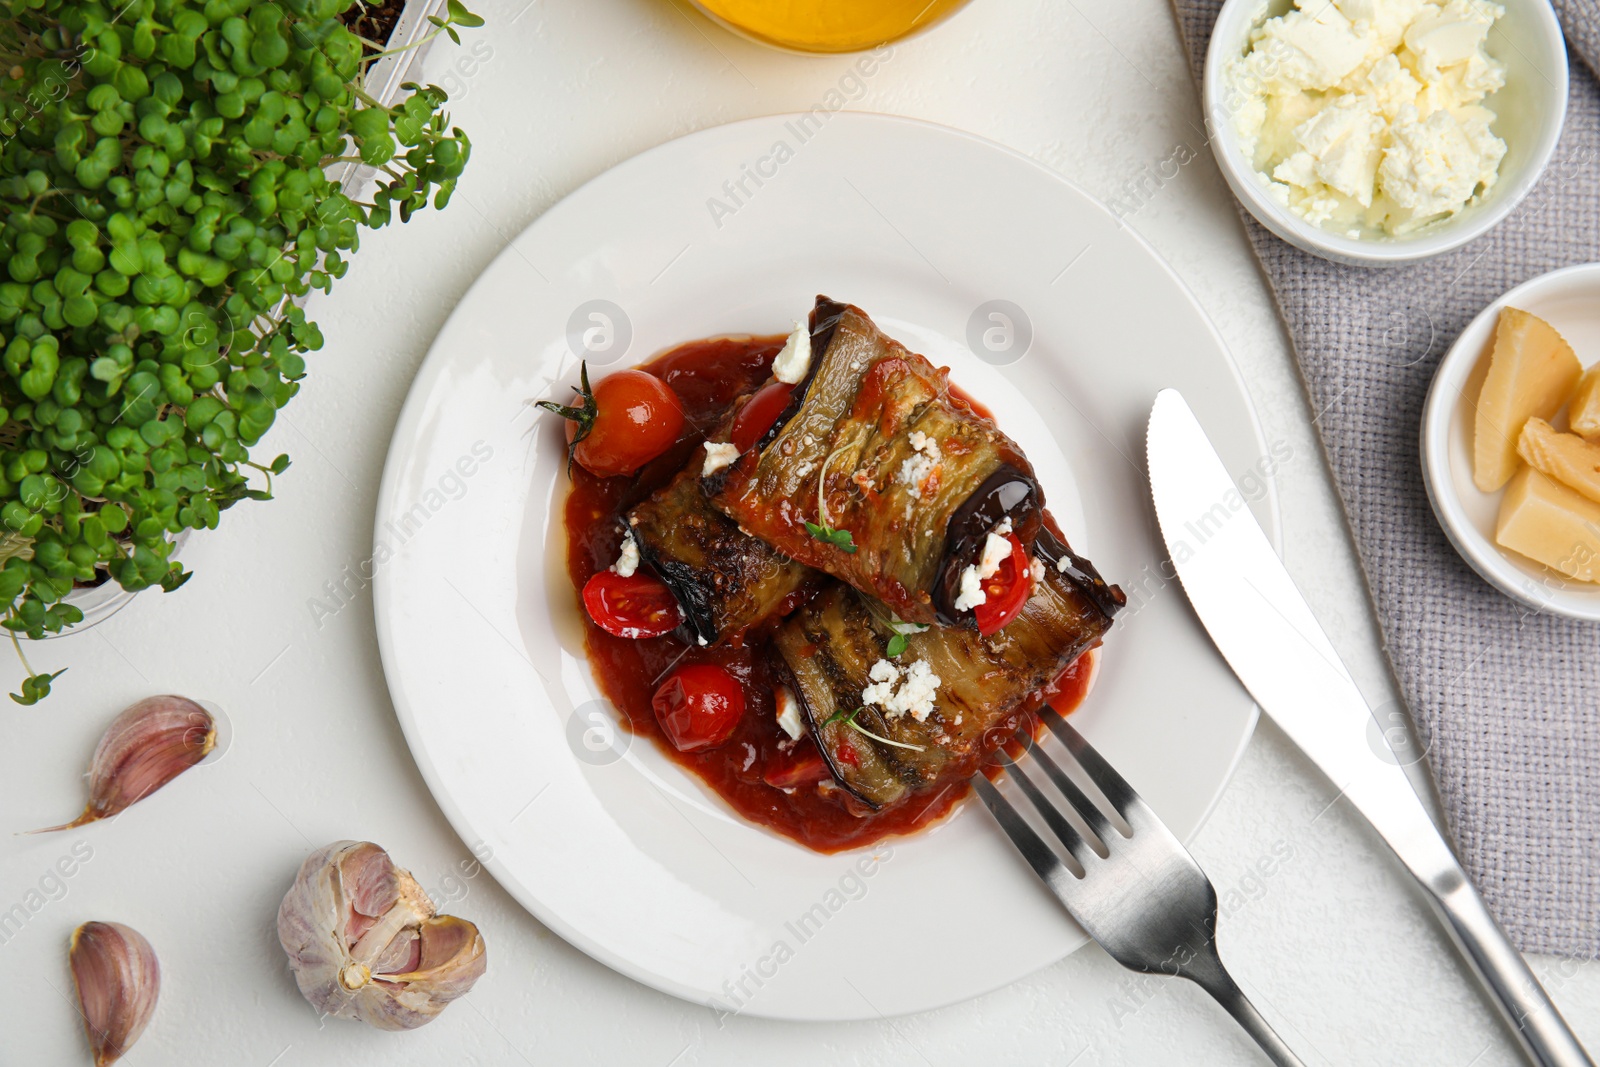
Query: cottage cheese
1365 115
794 360
912 691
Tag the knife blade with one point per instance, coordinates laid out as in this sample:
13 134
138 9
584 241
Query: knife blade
1264 628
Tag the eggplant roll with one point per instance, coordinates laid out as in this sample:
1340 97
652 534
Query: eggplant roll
874 443
727 582
937 700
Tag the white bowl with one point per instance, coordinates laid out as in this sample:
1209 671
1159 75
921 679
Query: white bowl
1569 299
1531 108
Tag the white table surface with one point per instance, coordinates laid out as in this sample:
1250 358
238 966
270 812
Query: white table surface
1333 945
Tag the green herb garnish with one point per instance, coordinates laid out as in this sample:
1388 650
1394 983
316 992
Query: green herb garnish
849 719
828 535
897 645
823 529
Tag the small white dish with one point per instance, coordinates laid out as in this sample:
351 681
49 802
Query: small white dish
1531 108
1569 299
614 846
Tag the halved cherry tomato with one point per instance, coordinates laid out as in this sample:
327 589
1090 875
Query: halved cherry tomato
1005 591
621 424
636 606
758 415
801 765
698 706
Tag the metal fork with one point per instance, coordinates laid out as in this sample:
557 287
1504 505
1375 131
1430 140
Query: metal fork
1140 894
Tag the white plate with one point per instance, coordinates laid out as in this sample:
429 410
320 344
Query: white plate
617 849
1569 299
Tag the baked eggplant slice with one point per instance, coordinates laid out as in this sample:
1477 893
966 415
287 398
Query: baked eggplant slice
885 732
879 474
728 583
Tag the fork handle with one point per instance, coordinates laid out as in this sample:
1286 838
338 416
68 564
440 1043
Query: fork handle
1207 972
1544 1035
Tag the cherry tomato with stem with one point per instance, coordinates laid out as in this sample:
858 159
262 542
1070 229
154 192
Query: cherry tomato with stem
698 706
618 426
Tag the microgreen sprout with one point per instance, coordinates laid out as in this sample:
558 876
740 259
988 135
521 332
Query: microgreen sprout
823 531
897 645
166 203
849 719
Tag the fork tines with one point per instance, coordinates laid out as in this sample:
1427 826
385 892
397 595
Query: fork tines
1093 831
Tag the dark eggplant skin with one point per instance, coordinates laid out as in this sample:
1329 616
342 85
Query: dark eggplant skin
847 441
830 646
729 584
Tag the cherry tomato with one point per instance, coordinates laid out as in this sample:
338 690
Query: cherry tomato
698 706
636 606
1005 591
800 766
621 424
758 415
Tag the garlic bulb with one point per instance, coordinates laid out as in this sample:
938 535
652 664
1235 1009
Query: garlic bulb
118 980
143 749
365 943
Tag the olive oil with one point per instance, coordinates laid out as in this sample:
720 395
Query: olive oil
828 25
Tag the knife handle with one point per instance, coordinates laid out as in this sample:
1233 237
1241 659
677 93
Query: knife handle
1545 1037
1385 796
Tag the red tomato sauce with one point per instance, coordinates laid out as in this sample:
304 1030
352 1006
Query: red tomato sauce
708 377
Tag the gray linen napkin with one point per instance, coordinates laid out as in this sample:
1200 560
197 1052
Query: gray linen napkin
1507 702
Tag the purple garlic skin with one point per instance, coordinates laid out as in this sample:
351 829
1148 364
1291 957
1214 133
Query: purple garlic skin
365 943
118 980
143 749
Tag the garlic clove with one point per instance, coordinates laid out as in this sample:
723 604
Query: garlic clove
447 951
118 980
143 749
364 941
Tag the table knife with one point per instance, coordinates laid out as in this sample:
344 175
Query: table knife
1264 629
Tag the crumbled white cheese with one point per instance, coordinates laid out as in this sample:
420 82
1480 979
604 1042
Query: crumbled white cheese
917 689
995 550
628 558
915 469
1362 115
794 360
1063 563
971 593
718 455
1433 167
804 469
788 706
885 675
702 640
1037 567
